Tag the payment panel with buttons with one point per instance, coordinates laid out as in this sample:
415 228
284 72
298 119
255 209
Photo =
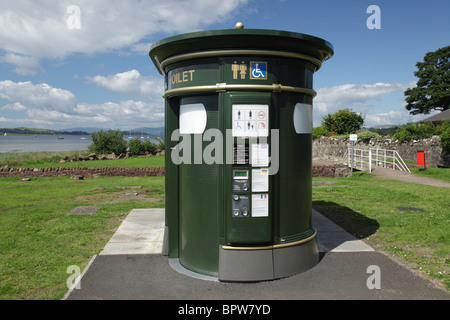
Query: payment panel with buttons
241 195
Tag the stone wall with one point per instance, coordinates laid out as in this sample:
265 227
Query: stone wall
330 171
334 149
335 170
85 172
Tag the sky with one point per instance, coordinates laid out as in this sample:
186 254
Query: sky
82 63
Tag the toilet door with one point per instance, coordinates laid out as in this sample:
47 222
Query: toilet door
199 186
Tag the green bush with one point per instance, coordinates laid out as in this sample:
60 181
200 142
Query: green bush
425 130
161 143
135 146
367 135
444 130
148 146
343 121
319 132
415 132
445 141
443 127
110 141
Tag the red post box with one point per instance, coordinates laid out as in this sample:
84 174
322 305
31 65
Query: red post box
421 159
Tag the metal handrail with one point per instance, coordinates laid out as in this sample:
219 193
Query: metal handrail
377 156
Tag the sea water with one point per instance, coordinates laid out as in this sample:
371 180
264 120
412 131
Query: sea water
38 143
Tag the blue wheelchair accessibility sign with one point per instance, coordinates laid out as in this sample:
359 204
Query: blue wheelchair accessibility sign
258 70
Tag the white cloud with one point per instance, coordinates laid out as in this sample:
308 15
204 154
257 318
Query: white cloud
26 65
125 114
41 96
32 30
26 122
131 83
58 119
360 98
393 117
43 106
340 96
17 106
141 48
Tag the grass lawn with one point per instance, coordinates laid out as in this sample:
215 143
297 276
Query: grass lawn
437 173
13 159
367 207
50 160
39 241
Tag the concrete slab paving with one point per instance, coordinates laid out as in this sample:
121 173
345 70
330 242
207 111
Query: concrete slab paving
332 238
142 232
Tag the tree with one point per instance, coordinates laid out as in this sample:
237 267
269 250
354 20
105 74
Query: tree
135 146
433 88
110 141
445 136
319 132
343 121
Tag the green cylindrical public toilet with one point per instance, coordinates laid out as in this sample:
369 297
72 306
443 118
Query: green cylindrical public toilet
238 131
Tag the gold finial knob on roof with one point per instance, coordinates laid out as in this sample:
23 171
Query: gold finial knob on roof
239 25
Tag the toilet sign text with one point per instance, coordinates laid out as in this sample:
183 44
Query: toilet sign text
180 77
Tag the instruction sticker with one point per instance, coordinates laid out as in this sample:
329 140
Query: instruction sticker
260 205
260 180
260 155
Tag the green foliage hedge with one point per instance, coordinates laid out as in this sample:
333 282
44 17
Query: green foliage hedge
415 132
367 135
425 130
402 134
343 121
112 141
319 132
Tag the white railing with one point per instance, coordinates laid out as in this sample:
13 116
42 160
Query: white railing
364 159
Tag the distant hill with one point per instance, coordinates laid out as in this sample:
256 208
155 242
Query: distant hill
147 131
384 130
85 129
156 132
36 131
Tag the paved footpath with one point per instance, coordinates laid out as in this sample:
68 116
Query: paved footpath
408 177
387 173
132 267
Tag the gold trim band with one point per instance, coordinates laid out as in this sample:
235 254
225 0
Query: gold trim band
204 54
222 87
277 246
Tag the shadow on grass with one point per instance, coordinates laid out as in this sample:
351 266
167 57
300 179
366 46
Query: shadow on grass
353 222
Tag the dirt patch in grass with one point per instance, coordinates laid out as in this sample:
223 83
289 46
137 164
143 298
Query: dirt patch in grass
117 197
